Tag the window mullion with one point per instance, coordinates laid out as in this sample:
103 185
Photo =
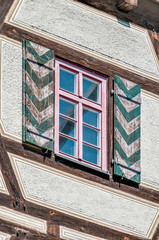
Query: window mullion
80 85
80 131
104 154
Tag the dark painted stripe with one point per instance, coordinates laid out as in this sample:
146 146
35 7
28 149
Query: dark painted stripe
40 105
129 139
131 93
133 101
39 81
129 116
42 127
43 59
129 160
48 145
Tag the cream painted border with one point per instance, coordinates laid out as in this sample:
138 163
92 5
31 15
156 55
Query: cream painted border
14 158
71 234
3 131
5 236
4 188
10 19
150 94
23 220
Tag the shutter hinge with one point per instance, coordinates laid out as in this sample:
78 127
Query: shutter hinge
112 91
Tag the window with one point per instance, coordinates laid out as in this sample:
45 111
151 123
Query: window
80 115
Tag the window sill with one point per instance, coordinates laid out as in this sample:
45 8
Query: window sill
81 165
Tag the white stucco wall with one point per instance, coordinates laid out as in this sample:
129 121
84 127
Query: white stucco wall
80 198
150 139
11 112
81 27
11 88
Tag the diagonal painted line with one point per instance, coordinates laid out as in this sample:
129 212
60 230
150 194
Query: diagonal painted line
129 116
43 81
129 139
40 116
39 93
43 59
135 167
128 149
39 141
42 127
128 127
48 133
128 105
40 70
40 105
130 160
131 93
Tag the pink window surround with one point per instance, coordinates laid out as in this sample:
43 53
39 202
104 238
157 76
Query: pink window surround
82 102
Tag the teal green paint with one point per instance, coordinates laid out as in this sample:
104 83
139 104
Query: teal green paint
41 82
128 138
43 59
40 105
44 126
131 93
30 139
129 116
129 162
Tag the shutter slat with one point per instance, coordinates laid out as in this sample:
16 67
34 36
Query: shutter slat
38 95
127 103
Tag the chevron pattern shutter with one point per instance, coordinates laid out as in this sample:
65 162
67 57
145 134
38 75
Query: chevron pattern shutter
127 129
38 95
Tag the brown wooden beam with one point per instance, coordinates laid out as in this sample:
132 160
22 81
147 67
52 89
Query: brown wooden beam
22 233
11 182
4 8
80 58
54 218
18 149
127 5
155 41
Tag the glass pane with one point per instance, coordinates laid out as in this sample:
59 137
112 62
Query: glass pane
90 90
67 127
68 108
90 117
90 135
67 146
67 80
90 154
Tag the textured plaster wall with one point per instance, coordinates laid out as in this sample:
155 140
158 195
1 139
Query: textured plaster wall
91 31
150 139
67 193
11 102
11 88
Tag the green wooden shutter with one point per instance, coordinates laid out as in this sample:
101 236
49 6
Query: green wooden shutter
127 103
38 95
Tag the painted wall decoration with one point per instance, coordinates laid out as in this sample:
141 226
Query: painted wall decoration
127 102
38 95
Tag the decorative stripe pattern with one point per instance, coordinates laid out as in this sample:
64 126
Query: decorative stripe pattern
127 103
38 95
23 220
71 234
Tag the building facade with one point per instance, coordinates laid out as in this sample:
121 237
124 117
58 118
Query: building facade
79 120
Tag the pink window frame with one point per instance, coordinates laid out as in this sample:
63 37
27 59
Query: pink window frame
77 98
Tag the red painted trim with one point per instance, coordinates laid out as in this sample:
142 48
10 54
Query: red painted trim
80 103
